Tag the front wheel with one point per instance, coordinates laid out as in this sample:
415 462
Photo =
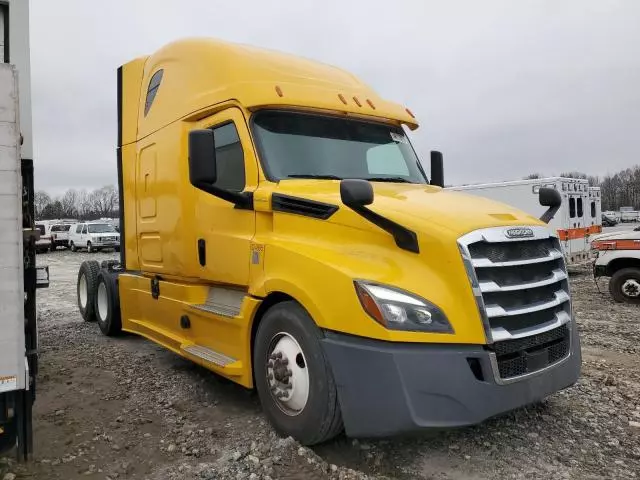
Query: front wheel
293 378
624 285
90 248
72 246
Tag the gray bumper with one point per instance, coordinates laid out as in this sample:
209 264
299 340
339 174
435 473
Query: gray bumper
389 388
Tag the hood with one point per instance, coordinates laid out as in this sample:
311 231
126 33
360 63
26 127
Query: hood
417 207
620 235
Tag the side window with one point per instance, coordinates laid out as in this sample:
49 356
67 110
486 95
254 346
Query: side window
79 229
580 212
593 209
386 160
154 84
572 207
84 229
229 158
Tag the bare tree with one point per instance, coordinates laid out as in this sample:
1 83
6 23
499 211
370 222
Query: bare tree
104 201
41 199
68 201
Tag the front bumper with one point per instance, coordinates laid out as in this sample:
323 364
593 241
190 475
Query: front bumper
110 244
389 388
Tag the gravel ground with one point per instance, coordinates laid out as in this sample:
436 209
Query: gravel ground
127 409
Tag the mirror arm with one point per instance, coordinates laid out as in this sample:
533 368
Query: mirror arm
549 214
242 200
405 238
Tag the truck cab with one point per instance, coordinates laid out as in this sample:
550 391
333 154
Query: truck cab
278 228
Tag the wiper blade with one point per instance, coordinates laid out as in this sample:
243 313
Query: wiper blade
389 179
321 177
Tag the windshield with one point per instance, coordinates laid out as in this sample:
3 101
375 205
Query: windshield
101 228
299 145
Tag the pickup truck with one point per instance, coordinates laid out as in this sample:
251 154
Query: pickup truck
618 257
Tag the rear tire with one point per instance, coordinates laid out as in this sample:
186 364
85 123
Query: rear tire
86 289
308 410
624 286
107 302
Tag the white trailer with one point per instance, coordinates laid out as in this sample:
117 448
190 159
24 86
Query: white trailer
19 276
575 222
629 215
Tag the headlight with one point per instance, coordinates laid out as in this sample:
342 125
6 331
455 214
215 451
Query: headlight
399 310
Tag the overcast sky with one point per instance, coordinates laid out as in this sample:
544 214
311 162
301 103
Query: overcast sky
503 88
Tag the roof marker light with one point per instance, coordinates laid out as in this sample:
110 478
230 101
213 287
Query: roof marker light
410 113
355 99
342 99
279 91
371 104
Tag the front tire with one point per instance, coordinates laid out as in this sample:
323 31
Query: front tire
293 377
86 289
90 248
107 302
624 286
72 246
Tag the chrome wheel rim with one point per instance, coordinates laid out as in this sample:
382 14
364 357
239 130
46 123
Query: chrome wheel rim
103 300
631 288
82 291
287 374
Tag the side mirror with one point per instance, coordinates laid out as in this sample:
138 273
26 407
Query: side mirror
549 197
202 158
356 192
437 169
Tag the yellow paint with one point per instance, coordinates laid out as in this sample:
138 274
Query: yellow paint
260 252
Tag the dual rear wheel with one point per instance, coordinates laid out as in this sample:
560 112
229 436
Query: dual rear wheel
98 298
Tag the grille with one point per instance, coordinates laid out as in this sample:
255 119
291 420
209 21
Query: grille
522 292
512 251
519 357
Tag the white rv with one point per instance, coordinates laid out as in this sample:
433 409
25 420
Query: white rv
579 216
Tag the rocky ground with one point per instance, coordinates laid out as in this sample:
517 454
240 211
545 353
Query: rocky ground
126 409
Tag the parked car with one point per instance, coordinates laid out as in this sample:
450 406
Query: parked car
608 220
93 236
59 235
43 244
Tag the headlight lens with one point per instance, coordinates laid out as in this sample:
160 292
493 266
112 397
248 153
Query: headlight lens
399 310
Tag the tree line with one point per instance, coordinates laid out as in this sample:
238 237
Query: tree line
620 189
81 204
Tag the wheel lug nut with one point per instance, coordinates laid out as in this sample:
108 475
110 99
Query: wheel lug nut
285 361
278 355
269 377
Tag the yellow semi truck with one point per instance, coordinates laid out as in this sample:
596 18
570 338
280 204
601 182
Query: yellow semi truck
278 229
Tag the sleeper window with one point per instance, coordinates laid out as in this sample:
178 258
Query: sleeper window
154 84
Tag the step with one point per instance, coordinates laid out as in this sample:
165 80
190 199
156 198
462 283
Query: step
226 302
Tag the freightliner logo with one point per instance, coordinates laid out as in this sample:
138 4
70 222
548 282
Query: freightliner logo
519 232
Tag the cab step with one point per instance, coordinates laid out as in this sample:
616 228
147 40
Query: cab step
230 366
225 302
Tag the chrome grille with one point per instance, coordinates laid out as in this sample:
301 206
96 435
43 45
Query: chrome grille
521 288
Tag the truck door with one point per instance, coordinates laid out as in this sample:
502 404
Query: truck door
223 232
